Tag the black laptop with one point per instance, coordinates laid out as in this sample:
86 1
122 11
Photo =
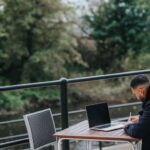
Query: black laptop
99 118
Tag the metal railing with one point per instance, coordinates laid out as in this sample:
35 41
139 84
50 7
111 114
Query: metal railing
63 83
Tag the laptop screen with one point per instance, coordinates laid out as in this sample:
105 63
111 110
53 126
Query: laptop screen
98 114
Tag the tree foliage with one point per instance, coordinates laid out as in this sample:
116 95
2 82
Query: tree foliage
34 41
117 27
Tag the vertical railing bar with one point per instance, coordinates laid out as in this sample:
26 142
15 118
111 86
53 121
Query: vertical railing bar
64 109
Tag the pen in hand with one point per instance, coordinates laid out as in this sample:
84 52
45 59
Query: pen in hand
129 120
130 114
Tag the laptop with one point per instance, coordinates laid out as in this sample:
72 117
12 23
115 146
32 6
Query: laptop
99 118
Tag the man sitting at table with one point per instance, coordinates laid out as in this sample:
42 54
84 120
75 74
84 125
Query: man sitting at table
139 127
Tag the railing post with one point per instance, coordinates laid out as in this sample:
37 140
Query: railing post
100 145
64 109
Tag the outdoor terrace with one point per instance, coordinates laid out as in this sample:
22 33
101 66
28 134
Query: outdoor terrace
22 139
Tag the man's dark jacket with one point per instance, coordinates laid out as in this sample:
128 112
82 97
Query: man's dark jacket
141 129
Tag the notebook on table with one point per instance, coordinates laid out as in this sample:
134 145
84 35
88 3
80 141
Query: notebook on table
99 118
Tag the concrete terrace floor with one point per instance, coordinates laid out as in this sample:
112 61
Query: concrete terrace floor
115 147
118 147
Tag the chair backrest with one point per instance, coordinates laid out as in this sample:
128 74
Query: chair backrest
40 127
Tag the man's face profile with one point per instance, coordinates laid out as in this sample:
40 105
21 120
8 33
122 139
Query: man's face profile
139 92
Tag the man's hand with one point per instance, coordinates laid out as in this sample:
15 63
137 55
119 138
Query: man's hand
133 119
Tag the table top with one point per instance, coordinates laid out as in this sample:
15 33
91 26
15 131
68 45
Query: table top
81 131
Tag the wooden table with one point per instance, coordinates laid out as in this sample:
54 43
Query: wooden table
81 131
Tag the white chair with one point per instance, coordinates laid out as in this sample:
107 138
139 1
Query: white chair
40 127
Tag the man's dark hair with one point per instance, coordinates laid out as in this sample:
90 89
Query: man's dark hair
139 80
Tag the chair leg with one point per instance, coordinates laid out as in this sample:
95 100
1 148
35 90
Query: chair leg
59 147
56 146
139 145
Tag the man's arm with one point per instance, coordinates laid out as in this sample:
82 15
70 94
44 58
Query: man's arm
138 130
142 128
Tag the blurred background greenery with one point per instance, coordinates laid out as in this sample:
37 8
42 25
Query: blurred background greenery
39 42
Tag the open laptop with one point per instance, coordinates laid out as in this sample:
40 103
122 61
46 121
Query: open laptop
99 118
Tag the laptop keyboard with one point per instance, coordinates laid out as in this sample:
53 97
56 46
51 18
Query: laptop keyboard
105 126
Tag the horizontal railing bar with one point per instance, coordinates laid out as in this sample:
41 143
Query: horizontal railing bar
74 112
108 76
73 80
13 143
14 136
19 135
11 121
112 106
21 120
30 85
125 105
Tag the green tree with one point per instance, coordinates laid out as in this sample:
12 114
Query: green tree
34 41
141 62
117 27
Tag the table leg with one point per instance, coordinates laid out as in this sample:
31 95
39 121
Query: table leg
139 145
59 144
88 145
136 146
